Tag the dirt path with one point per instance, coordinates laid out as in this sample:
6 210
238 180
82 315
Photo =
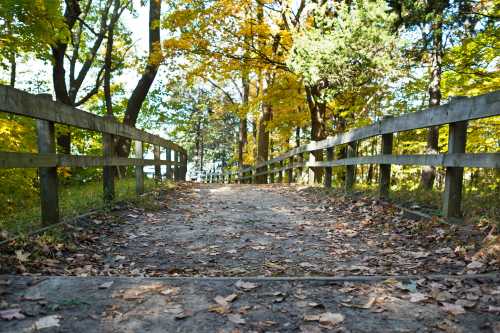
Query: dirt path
259 231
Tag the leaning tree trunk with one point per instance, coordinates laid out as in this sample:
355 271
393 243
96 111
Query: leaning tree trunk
429 172
142 88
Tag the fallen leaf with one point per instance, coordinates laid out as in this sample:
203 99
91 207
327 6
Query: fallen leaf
106 285
47 322
219 309
417 297
475 265
236 318
326 318
170 291
454 309
246 285
332 319
492 308
22 256
224 301
11 314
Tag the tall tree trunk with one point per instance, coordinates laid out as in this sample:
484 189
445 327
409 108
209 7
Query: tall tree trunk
13 69
263 139
108 61
297 136
429 172
317 112
142 88
243 120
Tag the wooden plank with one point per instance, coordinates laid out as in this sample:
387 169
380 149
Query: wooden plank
483 160
24 104
328 170
49 194
385 169
177 169
139 169
280 173
108 173
168 153
156 154
350 175
452 195
29 160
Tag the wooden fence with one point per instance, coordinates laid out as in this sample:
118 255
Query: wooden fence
47 113
456 115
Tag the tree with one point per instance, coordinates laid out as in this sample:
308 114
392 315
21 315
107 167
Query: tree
141 90
348 47
28 27
88 23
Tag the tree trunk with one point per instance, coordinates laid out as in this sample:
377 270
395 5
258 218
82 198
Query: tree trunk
13 69
297 136
429 172
142 88
243 121
263 140
317 111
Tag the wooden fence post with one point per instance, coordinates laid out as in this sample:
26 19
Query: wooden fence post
452 196
156 153
280 173
139 169
300 170
108 172
168 172
49 194
311 171
328 170
176 166
385 169
184 166
289 172
350 176
271 173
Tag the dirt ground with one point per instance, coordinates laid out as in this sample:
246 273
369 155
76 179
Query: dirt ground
139 270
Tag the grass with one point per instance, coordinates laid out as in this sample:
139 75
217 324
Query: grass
75 200
479 207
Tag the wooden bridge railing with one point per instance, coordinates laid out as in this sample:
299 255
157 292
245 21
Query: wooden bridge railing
456 115
48 112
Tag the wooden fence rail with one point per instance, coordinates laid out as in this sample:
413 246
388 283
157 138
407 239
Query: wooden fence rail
47 113
456 115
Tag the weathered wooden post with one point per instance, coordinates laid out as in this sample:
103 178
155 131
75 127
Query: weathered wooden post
184 160
311 171
253 172
271 173
385 169
108 171
452 196
139 169
300 170
350 176
49 194
289 172
328 170
280 172
156 153
177 174
168 172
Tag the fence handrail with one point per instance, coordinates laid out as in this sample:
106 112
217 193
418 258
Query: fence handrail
22 103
